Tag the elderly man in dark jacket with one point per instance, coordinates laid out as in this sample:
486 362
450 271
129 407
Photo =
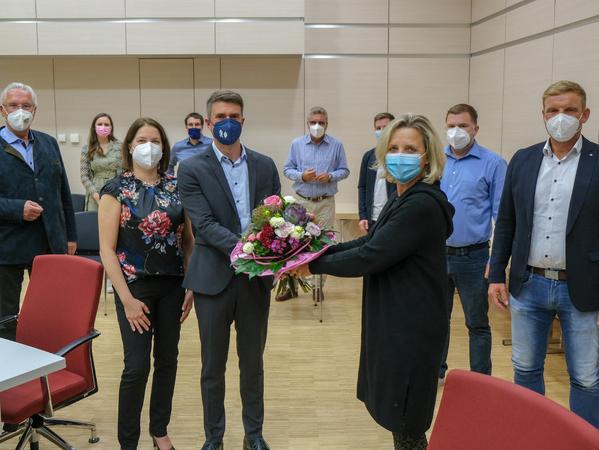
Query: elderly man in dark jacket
36 212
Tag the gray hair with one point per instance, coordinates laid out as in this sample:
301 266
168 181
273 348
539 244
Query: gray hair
225 97
20 87
318 110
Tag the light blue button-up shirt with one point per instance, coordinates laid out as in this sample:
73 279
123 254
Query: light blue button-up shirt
473 185
236 173
183 150
328 156
19 145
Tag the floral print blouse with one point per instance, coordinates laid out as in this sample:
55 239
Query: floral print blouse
151 226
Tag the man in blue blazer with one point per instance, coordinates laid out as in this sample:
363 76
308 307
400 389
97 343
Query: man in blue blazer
36 212
548 224
373 191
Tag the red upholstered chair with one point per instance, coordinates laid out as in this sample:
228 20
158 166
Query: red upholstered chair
57 316
480 412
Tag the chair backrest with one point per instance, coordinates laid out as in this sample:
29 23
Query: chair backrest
60 306
78 202
88 241
482 412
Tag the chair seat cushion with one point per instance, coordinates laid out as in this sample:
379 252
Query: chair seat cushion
21 402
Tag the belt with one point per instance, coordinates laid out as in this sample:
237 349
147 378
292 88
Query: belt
551 274
463 251
314 199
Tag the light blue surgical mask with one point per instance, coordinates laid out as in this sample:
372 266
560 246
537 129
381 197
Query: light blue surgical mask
378 134
403 167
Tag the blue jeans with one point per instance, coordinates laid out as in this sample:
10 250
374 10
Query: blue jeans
539 301
466 273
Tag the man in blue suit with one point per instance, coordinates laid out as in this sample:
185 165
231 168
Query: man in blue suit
36 212
548 224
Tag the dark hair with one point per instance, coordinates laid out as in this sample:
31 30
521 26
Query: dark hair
463 108
133 129
93 145
383 115
195 115
225 97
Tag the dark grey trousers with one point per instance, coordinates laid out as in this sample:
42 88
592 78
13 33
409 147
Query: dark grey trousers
11 281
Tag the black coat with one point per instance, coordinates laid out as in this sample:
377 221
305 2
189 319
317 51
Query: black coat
514 225
366 185
404 305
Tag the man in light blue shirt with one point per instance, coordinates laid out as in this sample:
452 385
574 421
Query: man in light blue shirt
194 122
473 182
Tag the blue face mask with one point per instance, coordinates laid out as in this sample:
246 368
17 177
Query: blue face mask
404 168
227 131
194 133
378 134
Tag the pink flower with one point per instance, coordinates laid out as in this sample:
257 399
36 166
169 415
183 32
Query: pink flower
273 200
125 215
157 223
251 238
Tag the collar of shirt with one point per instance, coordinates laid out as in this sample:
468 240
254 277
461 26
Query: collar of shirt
308 139
11 138
547 151
474 151
220 156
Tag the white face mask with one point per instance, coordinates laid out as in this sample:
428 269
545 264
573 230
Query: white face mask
562 127
317 130
147 155
20 120
378 134
458 138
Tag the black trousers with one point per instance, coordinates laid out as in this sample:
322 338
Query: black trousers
164 297
11 282
245 302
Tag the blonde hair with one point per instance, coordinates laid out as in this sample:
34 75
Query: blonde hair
433 149
563 87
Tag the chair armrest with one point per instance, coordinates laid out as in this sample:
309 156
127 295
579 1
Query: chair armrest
8 319
77 342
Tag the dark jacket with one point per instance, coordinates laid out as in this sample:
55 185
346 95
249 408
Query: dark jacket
20 240
208 201
513 229
404 305
366 185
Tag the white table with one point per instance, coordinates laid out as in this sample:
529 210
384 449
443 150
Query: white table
20 363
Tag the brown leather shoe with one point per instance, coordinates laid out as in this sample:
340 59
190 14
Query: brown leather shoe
285 295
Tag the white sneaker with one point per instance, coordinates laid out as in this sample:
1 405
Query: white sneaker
109 288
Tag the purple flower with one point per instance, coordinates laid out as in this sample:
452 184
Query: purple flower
296 214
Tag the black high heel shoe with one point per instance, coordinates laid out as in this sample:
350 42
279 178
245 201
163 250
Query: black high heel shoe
156 444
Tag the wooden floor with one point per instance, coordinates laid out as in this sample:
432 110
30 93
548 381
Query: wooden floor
311 370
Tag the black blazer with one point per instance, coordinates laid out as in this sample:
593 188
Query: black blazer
513 229
366 185
21 240
208 201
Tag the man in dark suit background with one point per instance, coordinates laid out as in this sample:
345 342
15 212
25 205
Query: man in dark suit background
219 188
36 211
373 191
548 224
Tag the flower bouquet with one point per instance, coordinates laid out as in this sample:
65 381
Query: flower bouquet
283 235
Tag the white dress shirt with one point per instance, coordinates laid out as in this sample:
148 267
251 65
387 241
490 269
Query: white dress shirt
380 194
552 203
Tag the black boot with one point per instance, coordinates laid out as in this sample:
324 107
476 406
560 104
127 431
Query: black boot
404 442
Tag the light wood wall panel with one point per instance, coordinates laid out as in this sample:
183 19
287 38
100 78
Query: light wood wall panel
86 87
26 44
485 8
528 72
171 8
207 79
259 8
176 38
429 40
81 38
486 95
429 11
347 40
529 19
346 11
265 37
17 9
353 90
567 11
88 9
488 34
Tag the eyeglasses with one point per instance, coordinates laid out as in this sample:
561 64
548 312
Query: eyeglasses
14 106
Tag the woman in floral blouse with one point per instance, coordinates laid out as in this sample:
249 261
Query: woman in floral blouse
145 243
100 159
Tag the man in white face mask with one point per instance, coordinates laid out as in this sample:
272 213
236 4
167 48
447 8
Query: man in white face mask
547 226
36 213
316 163
472 180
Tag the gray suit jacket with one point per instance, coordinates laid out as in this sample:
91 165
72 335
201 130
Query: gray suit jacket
209 204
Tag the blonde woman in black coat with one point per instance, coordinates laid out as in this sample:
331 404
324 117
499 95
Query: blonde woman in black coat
402 260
